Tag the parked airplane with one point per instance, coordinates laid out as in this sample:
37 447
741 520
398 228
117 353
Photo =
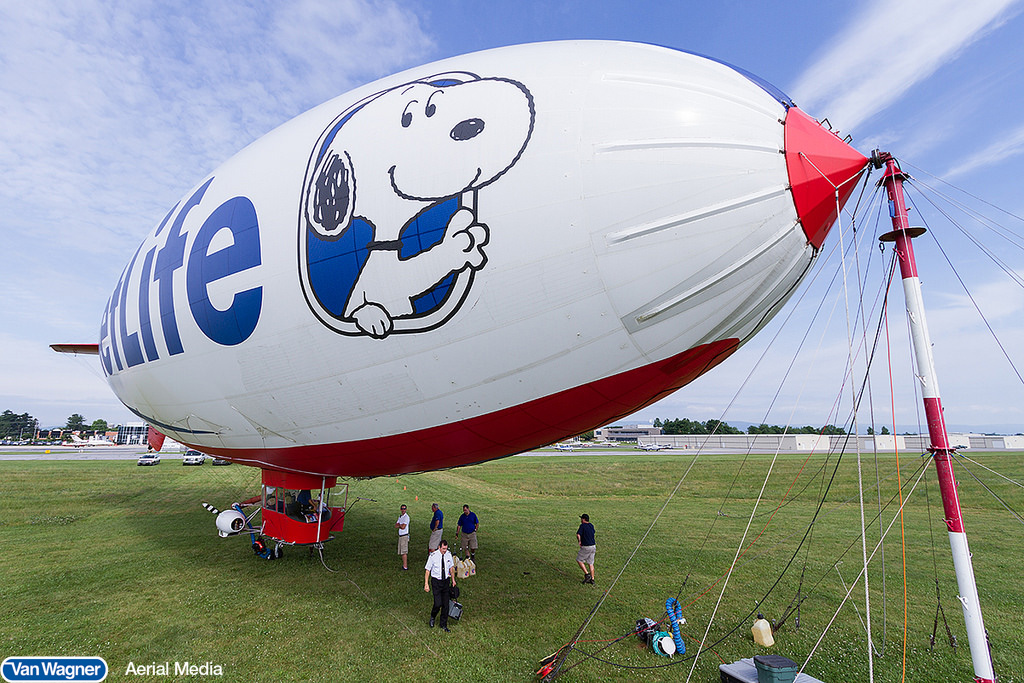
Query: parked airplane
94 440
471 259
653 446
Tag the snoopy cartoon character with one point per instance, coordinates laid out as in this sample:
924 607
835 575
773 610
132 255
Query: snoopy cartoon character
389 236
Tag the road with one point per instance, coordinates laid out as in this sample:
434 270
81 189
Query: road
69 453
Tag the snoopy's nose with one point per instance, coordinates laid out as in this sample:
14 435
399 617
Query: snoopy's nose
467 130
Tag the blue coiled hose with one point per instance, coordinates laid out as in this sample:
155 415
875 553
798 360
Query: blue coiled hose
675 615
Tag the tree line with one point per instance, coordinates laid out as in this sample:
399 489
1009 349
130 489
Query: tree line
687 426
24 426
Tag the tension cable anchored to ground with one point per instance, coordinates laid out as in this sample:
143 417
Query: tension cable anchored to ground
857 329
570 646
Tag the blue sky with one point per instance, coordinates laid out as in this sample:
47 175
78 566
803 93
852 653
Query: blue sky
112 110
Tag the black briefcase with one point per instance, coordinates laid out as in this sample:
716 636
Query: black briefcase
454 610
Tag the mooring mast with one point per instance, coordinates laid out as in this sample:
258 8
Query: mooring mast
942 453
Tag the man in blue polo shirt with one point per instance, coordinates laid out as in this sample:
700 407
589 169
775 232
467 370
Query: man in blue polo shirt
436 524
466 532
588 548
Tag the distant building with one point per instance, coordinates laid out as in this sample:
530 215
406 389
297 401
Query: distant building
787 443
132 434
626 432
792 443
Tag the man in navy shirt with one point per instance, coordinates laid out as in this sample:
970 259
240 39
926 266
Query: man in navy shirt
466 532
588 548
436 524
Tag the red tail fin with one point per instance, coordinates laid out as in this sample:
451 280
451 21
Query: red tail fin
155 439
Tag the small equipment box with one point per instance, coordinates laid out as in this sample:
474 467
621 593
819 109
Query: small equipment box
775 669
752 671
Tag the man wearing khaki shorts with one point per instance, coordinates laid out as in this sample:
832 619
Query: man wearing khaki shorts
466 532
436 525
403 536
588 548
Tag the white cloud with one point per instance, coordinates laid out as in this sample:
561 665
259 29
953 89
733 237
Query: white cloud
1000 300
112 110
51 386
970 364
1005 147
887 49
115 111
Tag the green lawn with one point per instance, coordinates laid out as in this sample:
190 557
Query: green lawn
113 560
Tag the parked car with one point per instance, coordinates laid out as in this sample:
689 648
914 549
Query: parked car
149 459
221 461
193 457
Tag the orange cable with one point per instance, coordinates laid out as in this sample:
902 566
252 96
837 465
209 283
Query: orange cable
899 482
778 507
750 545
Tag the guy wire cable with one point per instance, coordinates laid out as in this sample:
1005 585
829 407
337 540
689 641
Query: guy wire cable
686 472
1015 483
749 450
981 220
881 540
977 308
663 508
939 611
993 493
826 572
962 190
899 479
921 471
750 520
924 464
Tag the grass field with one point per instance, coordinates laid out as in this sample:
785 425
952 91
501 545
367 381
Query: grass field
108 559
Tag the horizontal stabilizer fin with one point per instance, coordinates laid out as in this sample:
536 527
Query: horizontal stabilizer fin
87 349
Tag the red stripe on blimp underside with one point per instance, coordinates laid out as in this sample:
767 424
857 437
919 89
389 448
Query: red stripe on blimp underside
498 434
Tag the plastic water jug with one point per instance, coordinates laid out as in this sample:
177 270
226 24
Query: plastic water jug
762 631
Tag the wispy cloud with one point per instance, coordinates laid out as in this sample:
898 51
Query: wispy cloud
887 49
112 110
1007 146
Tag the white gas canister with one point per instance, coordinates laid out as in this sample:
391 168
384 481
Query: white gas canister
762 631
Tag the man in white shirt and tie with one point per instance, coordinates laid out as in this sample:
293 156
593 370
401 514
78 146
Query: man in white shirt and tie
439 576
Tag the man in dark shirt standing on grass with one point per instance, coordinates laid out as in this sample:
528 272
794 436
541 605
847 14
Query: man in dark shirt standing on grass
436 525
466 532
588 548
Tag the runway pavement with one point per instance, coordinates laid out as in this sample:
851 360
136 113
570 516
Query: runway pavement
133 452
70 453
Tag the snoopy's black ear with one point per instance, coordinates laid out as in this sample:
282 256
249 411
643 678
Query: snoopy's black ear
330 195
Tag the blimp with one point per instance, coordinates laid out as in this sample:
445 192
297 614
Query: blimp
471 259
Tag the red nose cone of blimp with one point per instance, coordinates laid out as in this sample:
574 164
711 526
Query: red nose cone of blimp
819 165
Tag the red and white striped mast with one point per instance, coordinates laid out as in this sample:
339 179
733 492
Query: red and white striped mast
942 453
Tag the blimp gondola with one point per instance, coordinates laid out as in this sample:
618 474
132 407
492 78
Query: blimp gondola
473 258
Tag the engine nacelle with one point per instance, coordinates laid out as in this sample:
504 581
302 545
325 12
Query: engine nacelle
230 523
